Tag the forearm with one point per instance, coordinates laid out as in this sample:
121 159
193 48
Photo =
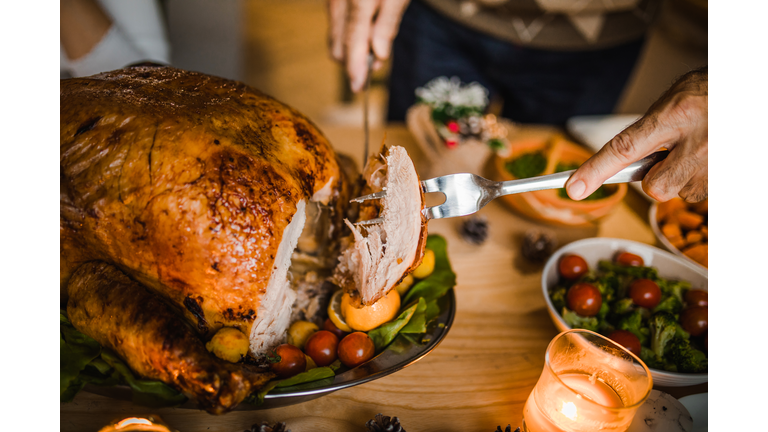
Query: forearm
83 24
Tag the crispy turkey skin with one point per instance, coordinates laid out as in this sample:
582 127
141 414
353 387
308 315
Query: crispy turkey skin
123 316
196 187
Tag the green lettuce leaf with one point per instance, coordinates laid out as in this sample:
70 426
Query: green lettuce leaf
75 352
385 333
150 393
418 322
315 374
442 278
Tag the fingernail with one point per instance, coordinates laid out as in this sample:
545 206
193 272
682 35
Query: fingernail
357 84
576 189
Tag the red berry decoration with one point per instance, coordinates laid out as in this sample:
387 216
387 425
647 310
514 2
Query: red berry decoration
451 144
453 126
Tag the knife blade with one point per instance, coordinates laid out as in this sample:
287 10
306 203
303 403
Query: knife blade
365 107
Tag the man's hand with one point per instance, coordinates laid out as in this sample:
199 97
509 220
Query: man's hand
359 27
678 122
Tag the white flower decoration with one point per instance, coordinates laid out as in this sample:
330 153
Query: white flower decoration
443 91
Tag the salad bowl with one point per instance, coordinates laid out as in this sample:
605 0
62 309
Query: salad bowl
668 265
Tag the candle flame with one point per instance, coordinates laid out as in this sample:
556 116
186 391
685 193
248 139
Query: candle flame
132 421
569 410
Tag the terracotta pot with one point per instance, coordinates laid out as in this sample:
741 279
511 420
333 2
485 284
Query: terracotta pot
547 205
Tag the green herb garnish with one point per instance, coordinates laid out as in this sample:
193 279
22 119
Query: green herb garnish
527 165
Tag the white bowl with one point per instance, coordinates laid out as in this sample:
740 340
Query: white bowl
662 239
669 266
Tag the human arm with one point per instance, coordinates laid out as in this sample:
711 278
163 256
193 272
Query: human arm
102 35
358 27
83 24
677 121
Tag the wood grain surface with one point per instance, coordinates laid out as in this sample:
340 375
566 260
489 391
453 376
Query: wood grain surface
478 378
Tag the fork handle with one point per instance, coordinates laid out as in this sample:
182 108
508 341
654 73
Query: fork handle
635 171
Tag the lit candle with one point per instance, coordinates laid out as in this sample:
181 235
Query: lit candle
589 383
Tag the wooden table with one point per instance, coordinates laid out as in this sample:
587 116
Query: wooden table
481 374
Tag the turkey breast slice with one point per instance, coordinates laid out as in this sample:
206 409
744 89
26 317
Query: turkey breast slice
274 314
381 255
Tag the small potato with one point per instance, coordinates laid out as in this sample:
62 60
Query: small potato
427 265
228 344
310 363
299 332
405 285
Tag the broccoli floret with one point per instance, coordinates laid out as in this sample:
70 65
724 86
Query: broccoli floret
680 333
558 297
663 331
637 272
670 304
673 288
686 357
623 306
633 323
577 321
649 358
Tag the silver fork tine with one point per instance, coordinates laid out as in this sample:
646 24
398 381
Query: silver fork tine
374 221
431 185
373 196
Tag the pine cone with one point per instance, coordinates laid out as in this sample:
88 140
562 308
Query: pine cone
537 245
475 229
383 423
266 427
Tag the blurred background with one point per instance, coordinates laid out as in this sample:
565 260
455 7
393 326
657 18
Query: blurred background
280 47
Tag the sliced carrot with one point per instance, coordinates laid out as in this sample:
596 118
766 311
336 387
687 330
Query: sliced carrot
700 207
665 209
690 220
671 230
694 236
698 253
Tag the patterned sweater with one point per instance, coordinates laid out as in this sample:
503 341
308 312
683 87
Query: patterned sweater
554 24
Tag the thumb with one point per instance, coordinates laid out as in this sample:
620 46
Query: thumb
632 144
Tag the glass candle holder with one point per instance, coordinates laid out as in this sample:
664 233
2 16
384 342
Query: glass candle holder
589 383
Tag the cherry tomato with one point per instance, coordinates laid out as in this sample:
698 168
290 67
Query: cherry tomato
628 259
584 299
696 297
356 349
694 320
331 327
292 361
645 293
321 346
572 267
626 339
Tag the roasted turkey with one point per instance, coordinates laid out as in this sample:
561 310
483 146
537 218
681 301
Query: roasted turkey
190 203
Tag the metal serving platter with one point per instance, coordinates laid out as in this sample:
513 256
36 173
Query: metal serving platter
401 353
